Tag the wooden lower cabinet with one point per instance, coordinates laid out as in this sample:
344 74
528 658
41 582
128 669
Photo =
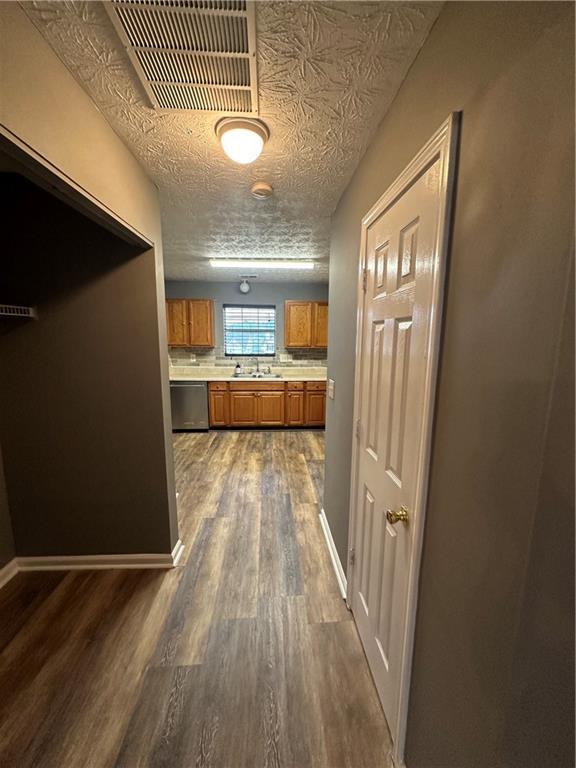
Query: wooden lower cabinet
315 409
219 408
267 404
270 409
294 409
243 409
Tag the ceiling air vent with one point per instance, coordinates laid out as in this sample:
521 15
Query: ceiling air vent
11 310
192 54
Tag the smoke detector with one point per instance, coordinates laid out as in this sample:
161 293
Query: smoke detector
261 190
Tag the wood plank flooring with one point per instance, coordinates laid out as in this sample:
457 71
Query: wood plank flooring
245 656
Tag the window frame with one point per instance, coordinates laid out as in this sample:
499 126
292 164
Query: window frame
249 306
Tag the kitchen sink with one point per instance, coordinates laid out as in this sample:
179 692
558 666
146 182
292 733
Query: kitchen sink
256 375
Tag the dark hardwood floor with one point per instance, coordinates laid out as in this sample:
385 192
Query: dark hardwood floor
245 656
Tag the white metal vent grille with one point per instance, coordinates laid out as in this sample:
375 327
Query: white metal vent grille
11 310
192 54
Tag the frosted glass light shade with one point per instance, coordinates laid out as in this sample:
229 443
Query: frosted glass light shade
242 139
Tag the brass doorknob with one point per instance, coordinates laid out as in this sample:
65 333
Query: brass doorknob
394 517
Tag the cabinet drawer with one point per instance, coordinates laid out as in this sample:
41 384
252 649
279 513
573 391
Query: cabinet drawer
292 386
218 386
256 386
316 386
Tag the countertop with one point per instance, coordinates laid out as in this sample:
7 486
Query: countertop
190 373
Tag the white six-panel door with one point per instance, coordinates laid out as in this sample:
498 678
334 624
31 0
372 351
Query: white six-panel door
403 246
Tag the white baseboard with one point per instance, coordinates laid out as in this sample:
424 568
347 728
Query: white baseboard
338 570
90 562
177 552
8 572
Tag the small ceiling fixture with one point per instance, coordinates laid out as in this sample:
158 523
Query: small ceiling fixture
261 264
244 286
242 138
261 190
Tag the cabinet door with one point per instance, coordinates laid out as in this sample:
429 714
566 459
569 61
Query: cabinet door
320 325
219 409
177 322
294 409
271 409
243 412
201 322
297 324
315 408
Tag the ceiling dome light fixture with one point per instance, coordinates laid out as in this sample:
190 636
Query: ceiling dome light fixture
242 138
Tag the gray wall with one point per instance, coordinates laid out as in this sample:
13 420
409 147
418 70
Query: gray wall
509 68
260 293
81 413
7 551
539 726
47 112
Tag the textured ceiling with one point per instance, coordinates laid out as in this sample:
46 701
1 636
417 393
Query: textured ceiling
327 72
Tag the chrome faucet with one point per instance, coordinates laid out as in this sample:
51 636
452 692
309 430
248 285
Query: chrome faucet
257 365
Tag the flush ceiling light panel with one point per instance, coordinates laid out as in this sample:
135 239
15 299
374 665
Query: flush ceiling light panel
192 54
261 264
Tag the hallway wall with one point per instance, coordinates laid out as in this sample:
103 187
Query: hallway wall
80 414
45 111
539 721
509 68
6 537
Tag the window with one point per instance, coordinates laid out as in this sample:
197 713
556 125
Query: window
249 330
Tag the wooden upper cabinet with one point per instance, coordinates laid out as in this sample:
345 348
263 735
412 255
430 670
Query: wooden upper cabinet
306 324
177 322
298 324
190 322
201 322
320 325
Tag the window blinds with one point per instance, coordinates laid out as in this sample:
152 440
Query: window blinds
249 330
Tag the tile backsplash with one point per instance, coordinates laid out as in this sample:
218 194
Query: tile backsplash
180 356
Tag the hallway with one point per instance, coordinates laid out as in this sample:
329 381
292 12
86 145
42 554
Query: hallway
244 655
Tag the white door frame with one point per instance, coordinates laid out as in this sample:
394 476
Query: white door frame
442 146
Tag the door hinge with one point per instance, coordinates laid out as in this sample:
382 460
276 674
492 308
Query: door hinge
352 556
365 279
358 428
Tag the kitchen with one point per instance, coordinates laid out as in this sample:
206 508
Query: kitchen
247 354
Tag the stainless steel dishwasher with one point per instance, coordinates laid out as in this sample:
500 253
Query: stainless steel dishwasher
189 401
